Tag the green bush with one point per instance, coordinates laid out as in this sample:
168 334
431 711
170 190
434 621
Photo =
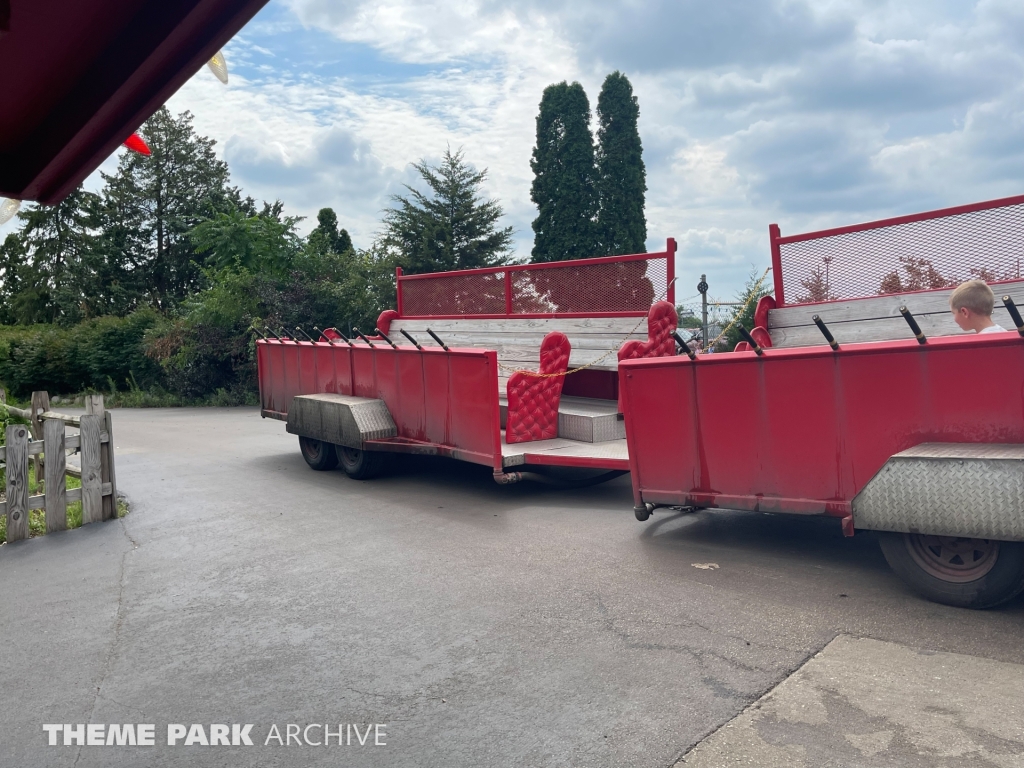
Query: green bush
205 352
86 356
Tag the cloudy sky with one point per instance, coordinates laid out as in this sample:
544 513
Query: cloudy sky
808 114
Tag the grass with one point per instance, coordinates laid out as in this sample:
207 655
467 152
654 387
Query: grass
37 517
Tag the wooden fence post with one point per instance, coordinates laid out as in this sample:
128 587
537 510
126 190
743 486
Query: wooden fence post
94 405
56 487
17 482
92 488
40 404
107 473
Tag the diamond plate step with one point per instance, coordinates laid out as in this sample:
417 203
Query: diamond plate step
340 419
585 419
974 490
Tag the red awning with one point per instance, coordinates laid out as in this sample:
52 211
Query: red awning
80 76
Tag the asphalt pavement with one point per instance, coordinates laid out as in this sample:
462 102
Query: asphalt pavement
479 625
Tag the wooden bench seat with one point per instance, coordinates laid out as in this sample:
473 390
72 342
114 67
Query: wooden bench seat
517 340
877 318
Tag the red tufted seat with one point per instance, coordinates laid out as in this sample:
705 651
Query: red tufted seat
533 400
661 322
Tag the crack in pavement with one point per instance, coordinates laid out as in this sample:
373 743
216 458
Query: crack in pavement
118 623
695 653
753 703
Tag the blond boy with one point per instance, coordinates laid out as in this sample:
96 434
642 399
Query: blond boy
972 304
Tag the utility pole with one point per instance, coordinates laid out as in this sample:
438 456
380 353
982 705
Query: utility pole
702 288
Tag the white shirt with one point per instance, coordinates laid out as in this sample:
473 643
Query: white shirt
992 329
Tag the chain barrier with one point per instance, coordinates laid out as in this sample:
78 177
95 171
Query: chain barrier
592 363
754 294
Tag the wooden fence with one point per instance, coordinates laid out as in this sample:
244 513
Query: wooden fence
45 441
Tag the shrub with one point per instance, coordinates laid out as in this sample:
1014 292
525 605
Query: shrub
86 356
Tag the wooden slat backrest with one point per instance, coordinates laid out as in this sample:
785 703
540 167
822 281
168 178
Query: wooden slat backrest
877 318
517 340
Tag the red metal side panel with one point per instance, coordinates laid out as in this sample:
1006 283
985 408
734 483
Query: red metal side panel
364 379
411 384
436 377
803 430
263 373
291 375
279 354
343 368
306 354
473 394
443 402
385 370
326 377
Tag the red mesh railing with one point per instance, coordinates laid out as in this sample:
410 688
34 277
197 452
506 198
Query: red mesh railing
622 285
937 249
456 293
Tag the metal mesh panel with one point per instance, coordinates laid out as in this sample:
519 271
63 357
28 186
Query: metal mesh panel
460 294
910 256
622 286
619 286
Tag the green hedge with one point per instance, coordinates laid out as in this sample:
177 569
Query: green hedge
90 355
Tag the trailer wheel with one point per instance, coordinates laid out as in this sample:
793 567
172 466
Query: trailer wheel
318 454
361 465
967 573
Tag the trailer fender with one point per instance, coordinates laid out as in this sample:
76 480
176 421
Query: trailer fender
973 490
340 419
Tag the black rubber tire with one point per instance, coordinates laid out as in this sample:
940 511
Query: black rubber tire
1003 582
319 455
361 465
642 513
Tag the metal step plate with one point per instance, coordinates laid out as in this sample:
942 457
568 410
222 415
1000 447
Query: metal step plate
975 490
340 419
585 419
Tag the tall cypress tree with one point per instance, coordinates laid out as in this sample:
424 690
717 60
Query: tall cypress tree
621 176
563 185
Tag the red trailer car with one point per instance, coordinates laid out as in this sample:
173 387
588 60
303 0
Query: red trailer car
444 373
903 424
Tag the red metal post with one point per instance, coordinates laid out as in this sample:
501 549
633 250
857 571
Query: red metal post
670 247
508 291
773 235
398 291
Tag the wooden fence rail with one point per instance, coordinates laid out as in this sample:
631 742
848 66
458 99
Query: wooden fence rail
45 440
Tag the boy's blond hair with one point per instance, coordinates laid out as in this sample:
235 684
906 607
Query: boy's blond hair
975 295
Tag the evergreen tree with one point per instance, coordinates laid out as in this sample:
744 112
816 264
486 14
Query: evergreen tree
744 313
326 237
17 283
564 187
621 177
43 260
451 227
150 204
